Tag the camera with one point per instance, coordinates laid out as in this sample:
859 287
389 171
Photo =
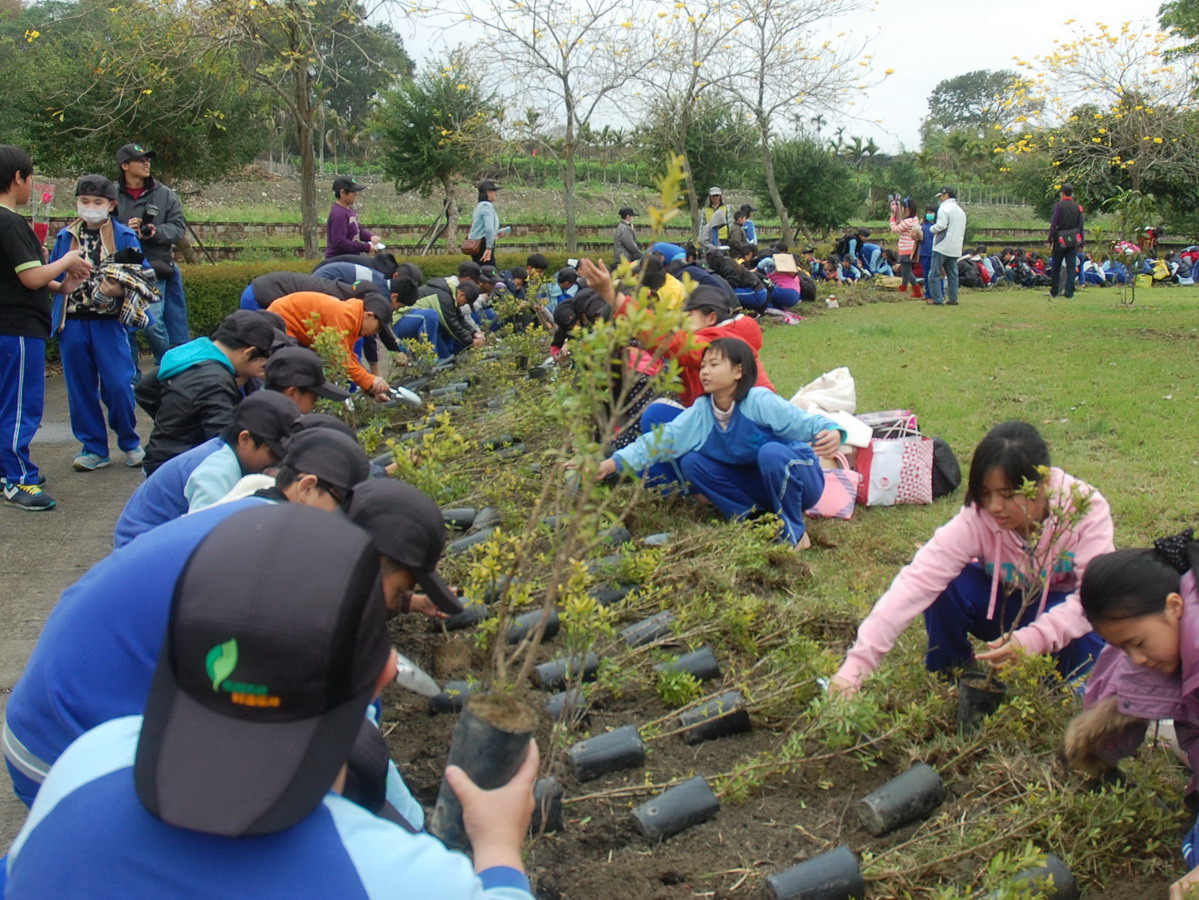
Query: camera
145 230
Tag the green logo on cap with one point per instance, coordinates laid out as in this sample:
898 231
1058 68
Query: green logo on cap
220 662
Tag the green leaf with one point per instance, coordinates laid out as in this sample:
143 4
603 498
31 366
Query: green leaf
221 661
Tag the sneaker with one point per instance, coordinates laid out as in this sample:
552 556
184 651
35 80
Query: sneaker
41 480
89 462
134 457
29 497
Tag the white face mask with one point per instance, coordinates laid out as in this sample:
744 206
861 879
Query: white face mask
91 214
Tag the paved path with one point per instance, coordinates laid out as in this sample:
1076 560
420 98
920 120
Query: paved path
43 553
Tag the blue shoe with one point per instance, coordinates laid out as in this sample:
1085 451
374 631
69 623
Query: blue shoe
89 462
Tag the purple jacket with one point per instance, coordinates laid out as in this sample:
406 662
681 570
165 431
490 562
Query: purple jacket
1151 695
343 234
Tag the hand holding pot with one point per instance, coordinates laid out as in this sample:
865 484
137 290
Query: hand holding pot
1090 731
497 821
1003 651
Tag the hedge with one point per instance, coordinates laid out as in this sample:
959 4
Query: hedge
214 289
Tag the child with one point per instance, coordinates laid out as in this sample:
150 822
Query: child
92 324
906 223
926 245
1145 604
24 328
443 322
343 234
954 579
743 447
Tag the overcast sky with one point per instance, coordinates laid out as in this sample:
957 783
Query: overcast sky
924 41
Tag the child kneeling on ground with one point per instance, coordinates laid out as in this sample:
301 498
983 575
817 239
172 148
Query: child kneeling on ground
743 447
1145 604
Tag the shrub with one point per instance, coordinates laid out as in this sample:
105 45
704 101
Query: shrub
214 290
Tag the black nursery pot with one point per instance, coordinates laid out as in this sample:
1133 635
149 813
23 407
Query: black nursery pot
547 806
611 594
720 716
655 628
526 622
472 614
1052 881
700 663
905 798
463 544
569 705
452 697
489 753
616 535
553 675
413 384
976 700
486 517
834 875
459 517
611 752
383 460
676 809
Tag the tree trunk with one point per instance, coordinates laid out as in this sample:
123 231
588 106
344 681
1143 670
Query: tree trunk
451 211
772 185
568 195
304 125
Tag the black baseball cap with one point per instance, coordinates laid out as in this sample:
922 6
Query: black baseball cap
406 526
470 291
248 328
380 306
488 274
709 296
270 416
488 186
96 186
313 420
301 367
470 269
342 183
330 455
626 211
569 273
134 151
948 191
748 208
274 647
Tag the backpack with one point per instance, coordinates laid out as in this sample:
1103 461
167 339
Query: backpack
841 248
947 473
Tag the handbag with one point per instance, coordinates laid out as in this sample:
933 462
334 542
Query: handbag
472 246
896 470
891 422
839 496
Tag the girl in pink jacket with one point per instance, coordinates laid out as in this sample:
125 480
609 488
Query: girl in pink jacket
966 579
1145 604
905 222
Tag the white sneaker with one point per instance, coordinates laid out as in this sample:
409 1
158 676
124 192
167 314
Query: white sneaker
134 457
89 462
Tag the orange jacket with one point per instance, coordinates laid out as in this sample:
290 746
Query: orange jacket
344 315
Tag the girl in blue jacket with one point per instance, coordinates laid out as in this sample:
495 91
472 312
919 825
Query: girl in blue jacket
745 448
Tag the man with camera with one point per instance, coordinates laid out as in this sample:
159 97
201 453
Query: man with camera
153 210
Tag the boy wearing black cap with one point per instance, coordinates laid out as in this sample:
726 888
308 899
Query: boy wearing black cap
297 373
91 322
232 778
455 329
115 616
254 441
193 393
343 234
352 318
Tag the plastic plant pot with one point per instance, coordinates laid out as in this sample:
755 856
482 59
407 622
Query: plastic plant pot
834 875
977 700
661 539
487 517
522 363
1051 881
611 594
547 806
717 718
463 544
414 435
553 675
458 517
524 624
537 373
616 535
452 697
501 440
611 752
413 384
489 744
567 706
472 614
497 590
456 387
383 460
676 809
655 628
447 410
611 561
700 663
510 452
903 799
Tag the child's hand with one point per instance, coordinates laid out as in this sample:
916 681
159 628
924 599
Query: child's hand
599 279
1092 729
827 442
1002 652
79 266
110 288
1186 887
497 820
606 469
841 687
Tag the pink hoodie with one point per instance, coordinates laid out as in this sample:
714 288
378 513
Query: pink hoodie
973 535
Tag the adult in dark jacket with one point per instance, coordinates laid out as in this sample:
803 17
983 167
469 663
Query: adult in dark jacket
266 289
1065 237
191 396
153 210
968 274
624 242
351 268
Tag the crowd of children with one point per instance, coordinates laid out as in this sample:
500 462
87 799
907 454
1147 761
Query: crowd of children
257 510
